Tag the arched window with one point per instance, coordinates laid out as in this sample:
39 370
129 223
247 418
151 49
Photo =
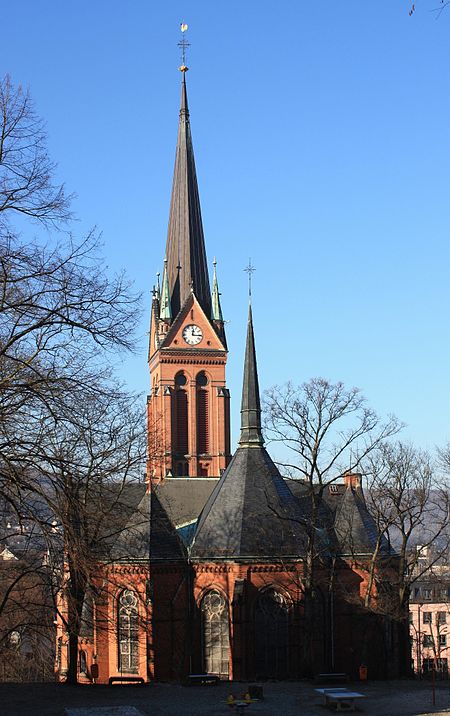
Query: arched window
87 617
128 631
215 634
83 662
271 635
202 413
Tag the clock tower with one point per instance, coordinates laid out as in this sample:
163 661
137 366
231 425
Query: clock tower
188 405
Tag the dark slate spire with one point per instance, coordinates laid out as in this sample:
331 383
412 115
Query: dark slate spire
251 512
185 249
251 435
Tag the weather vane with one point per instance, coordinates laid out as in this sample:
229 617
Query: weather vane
183 45
249 270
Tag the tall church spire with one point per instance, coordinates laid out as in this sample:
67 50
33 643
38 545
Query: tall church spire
251 434
185 249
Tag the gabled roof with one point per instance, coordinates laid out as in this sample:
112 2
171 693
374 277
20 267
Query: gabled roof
165 544
251 513
183 498
216 340
133 540
185 249
138 528
355 528
125 533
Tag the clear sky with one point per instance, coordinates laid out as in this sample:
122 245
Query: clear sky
321 135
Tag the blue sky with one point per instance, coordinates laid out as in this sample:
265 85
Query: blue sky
322 147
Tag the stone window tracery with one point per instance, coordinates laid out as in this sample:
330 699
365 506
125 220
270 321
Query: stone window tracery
128 631
215 634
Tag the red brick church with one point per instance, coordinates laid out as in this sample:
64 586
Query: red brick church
206 572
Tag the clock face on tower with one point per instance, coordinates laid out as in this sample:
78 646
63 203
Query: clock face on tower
192 334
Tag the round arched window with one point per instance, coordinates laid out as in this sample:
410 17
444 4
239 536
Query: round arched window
180 379
201 380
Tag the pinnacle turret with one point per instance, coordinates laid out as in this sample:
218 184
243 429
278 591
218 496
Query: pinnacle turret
165 310
216 309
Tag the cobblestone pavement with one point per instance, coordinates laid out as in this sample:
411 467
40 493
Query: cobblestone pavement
383 698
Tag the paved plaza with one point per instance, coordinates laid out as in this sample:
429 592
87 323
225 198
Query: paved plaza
388 698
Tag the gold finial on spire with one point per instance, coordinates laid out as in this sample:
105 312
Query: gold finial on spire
183 45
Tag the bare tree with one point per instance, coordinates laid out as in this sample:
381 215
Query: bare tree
27 634
26 172
79 461
66 429
409 502
329 430
438 6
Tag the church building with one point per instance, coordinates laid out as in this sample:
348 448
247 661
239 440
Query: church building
206 574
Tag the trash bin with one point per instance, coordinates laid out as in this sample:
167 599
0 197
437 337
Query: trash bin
363 673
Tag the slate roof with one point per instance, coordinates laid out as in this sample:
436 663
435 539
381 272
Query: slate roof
139 528
125 531
344 515
251 512
183 498
355 528
185 248
165 543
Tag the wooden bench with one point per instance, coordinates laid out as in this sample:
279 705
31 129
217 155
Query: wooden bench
126 680
202 679
343 699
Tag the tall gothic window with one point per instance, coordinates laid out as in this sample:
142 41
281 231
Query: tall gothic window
202 414
128 631
271 635
83 662
215 634
87 617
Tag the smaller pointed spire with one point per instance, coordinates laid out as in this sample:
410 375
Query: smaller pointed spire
166 310
251 433
216 310
158 287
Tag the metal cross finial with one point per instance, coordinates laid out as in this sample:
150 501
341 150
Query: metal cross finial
249 270
183 45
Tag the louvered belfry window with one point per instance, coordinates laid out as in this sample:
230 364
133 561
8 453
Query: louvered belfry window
181 422
215 634
202 422
271 635
202 414
128 631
